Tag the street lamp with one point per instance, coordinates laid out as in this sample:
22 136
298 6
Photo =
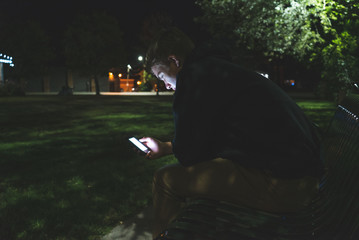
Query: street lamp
128 70
128 75
140 58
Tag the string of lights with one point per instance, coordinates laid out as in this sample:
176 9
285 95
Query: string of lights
6 59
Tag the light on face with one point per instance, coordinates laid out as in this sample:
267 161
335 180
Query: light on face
161 76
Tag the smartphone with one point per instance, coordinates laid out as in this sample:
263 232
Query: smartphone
139 145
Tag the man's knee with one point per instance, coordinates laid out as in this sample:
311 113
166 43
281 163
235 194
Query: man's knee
159 176
166 175
169 180
173 176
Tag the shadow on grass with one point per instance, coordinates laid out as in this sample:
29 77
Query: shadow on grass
67 170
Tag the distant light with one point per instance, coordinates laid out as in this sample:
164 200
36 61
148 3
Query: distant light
289 82
110 76
129 66
5 61
140 58
139 83
119 75
266 75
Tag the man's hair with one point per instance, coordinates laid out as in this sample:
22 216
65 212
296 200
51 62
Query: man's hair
168 42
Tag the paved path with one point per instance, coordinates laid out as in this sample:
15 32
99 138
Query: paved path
137 228
169 93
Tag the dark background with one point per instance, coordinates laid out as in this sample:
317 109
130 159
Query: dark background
131 14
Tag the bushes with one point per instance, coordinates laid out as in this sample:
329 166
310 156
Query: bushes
11 88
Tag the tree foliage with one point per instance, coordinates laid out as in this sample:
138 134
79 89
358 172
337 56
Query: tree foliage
270 27
322 32
94 44
29 45
339 51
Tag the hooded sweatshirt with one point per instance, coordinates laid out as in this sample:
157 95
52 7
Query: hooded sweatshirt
223 110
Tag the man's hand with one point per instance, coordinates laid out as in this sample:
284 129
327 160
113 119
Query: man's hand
158 148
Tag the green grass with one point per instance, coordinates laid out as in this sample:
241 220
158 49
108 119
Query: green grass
67 170
319 112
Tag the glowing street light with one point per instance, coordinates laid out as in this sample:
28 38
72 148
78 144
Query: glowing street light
140 58
110 76
128 70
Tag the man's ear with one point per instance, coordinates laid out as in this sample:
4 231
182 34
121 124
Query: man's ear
175 59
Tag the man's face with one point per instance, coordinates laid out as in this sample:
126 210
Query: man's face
168 74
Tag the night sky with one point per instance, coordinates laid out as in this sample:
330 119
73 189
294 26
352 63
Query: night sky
56 15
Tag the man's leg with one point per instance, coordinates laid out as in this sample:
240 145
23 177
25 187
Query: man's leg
216 179
222 179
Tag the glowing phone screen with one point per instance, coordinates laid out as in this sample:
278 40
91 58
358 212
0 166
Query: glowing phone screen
138 144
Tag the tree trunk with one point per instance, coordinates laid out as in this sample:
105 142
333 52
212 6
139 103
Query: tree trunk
97 85
45 84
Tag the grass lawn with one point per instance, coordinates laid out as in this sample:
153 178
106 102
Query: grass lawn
319 112
67 170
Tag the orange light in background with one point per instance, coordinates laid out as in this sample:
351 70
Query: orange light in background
119 75
110 76
139 83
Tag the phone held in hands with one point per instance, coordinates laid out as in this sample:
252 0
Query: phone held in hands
139 145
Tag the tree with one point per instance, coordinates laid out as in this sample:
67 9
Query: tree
323 33
30 48
338 53
154 23
93 45
273 28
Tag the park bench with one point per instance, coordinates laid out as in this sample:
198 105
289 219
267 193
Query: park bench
334 214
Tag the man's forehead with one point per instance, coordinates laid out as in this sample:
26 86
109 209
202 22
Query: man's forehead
158 67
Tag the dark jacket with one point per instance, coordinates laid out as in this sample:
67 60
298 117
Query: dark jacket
223 110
